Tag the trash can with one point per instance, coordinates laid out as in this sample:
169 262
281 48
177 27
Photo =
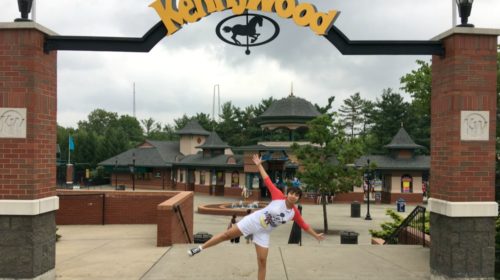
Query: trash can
400 205
355 209
202 237
348 237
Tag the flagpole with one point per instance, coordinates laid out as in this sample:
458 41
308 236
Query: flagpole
69 149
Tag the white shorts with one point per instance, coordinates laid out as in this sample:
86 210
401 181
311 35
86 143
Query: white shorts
261 235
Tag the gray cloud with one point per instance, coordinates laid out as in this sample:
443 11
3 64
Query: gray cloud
179 74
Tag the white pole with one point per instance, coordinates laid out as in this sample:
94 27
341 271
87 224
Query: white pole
453 13
33 13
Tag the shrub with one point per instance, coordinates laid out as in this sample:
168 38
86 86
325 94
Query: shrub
389 227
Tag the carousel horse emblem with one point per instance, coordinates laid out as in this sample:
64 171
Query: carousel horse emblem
252 30
245 30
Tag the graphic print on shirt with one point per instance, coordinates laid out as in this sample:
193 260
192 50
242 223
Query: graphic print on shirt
273 220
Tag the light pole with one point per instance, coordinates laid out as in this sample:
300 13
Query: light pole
116 175
464 8
368 178
132 170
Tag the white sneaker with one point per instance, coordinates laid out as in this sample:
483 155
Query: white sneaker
194 251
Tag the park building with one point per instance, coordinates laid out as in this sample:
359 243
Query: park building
202 162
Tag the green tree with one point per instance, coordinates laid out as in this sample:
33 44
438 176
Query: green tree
252 132
326 109
85 147
150 126
114 142
230 127
99 121
366 111
418 85
326 164
389 113
351 113
131 126
165 133
203 119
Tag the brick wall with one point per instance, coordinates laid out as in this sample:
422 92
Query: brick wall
465 79
118 207
86 207
80 209
28 80
170 228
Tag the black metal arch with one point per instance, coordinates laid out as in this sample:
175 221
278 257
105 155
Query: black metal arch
159 31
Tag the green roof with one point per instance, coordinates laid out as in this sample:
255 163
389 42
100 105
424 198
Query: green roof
160 154
289 109
192 128
390 163
260 147
218 161
214 142
402 140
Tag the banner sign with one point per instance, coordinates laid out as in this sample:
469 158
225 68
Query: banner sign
188 11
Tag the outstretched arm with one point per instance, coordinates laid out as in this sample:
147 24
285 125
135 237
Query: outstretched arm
318 236
258 162
307 228
275 192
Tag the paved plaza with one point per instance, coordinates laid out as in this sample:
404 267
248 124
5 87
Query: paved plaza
130 252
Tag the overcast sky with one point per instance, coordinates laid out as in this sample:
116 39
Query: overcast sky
178 75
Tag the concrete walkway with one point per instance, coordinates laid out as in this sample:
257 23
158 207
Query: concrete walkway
129 252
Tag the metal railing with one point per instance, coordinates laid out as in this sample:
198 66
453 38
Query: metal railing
177 209
411 230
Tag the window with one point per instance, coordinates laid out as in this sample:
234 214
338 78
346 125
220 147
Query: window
406 184
235 179
220 177
202 177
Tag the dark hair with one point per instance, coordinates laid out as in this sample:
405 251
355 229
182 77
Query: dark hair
296 191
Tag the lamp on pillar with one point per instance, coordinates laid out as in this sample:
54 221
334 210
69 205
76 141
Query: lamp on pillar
464 8
368 177
25 9
132 171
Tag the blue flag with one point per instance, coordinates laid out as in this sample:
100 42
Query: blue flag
71 143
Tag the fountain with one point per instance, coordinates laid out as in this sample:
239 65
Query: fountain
239 208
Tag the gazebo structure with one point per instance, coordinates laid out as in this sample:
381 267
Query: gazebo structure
283 123
290 115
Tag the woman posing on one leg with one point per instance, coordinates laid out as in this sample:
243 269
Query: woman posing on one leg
260 223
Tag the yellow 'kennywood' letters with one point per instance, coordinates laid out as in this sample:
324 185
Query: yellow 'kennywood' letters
303 14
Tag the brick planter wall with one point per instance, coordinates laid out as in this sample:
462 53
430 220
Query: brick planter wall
119 207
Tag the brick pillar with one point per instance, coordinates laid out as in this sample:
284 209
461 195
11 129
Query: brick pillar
462 182
27 153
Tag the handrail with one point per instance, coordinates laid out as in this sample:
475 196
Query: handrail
177 209
416 216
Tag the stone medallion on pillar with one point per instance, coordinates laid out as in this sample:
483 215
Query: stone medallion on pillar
463 129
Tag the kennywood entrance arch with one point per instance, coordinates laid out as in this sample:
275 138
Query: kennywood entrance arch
158 32
462 206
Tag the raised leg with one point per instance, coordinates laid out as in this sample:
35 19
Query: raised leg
224 236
